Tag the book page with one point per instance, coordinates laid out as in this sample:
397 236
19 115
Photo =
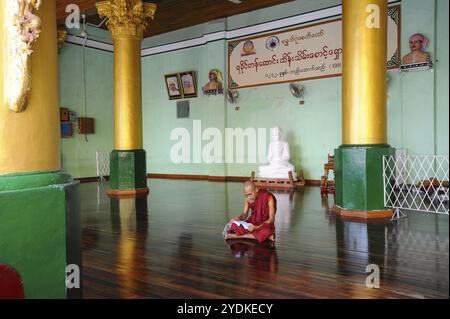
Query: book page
243 224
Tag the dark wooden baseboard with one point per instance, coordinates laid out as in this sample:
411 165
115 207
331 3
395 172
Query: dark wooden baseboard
312 182
177 176
90 179
211 178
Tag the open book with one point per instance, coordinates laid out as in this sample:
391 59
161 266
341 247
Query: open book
243 224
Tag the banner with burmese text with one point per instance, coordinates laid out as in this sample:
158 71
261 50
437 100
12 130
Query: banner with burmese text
304 53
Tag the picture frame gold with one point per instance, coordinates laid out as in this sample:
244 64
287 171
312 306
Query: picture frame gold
173 86
188 84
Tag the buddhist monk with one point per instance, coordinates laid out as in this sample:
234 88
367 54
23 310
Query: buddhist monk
263 206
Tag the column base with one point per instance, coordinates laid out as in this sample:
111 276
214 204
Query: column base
128 193
40 231
128 173
363 215
359 180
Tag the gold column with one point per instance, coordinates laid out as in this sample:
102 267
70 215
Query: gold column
30 139
127 22
364 72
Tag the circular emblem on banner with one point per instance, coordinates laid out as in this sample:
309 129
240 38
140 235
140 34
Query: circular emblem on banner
272 43
248 48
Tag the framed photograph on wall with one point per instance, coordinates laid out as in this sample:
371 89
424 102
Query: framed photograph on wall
188 84
72 116
173 85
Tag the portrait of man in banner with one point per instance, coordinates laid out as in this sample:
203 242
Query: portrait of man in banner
417 44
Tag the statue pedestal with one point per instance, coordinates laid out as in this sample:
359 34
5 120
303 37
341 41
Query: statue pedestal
277 175
279 183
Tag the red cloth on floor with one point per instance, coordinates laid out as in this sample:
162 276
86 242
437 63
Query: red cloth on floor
260 214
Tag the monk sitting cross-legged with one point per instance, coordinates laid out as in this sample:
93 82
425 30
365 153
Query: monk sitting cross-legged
263 205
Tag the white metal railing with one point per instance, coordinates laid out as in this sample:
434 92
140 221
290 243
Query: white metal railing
418 183
102 164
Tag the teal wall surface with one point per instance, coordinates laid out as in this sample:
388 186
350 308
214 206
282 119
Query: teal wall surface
441 78
79 154
417 104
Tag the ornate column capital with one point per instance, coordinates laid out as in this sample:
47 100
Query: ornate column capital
126 18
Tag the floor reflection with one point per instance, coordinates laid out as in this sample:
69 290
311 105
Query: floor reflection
405 256
185 264
359 244
262 257
409 243
285 208
129 221
90 236
180 253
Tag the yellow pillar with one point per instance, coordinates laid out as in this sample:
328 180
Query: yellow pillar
39 215
358 161
127 94
364 72
30 140
127 23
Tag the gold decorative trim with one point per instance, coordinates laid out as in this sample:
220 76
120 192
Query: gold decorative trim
126 18
22 30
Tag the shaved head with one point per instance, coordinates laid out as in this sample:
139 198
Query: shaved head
250 191
249 185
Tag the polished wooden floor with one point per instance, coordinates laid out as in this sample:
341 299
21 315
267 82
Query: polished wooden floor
169 245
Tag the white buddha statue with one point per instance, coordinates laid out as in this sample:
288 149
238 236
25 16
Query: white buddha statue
278 156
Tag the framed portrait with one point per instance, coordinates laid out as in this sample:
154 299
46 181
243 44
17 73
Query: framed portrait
173 85
188 84
72 116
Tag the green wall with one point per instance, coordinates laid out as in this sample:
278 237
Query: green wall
38 229
78 155
42 266
417 103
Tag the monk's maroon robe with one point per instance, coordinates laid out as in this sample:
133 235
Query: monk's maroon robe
260 214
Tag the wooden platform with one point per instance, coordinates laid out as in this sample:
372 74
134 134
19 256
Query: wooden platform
279 183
